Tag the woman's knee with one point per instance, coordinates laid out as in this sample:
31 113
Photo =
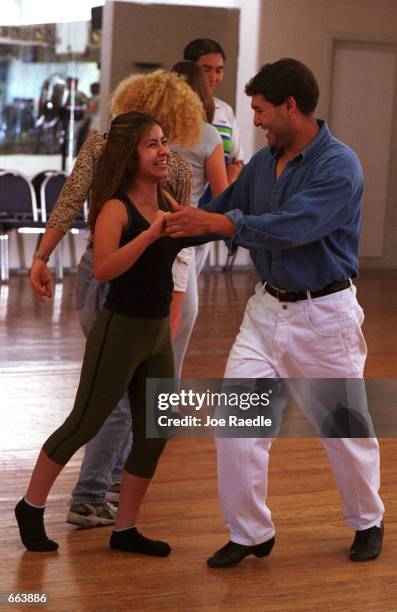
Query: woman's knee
143 460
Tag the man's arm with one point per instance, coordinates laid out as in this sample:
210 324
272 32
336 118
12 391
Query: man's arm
197 222
324 206
211 220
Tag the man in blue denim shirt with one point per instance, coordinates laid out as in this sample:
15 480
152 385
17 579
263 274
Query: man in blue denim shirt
296 207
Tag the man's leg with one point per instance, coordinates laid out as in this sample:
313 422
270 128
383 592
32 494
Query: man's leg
325 341
338 411
243 462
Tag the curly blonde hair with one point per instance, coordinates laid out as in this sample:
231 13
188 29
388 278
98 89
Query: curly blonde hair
168 97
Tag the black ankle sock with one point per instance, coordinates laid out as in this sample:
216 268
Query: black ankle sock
130 540
31 527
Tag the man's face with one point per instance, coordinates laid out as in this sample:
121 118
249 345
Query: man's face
274 120
212 64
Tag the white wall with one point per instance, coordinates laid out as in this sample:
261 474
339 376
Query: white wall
247 58
306 30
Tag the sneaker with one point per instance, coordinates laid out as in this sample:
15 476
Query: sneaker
113 493
91 515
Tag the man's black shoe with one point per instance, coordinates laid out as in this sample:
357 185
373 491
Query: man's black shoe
367 544
233 553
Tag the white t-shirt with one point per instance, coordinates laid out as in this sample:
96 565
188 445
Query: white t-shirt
209 140
226 124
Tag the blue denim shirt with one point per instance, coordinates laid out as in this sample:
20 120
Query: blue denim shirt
303 228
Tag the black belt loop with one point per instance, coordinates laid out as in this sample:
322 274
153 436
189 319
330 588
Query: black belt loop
283 295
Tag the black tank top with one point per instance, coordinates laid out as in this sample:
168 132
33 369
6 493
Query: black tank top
145 289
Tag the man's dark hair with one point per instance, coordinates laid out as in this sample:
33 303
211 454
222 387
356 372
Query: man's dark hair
95 88
202 46
284 78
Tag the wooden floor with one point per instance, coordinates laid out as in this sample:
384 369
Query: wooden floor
40 350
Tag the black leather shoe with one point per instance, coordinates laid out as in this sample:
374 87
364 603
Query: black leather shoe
233 553
367 544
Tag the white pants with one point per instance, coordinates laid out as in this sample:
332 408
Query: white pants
189 307
314 338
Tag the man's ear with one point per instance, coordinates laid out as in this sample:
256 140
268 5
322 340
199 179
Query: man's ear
290 105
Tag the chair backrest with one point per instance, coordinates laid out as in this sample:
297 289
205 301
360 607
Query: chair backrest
17 196
50 191
48 185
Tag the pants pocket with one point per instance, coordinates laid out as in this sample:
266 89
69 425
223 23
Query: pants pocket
323 317
353 337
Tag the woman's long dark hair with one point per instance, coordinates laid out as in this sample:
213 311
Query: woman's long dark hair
197 80
118 163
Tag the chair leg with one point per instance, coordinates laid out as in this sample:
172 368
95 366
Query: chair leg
4 257
59 262
230 261
213 258
21 251
72 249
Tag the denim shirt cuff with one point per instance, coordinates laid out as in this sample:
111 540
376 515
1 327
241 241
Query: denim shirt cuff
236 216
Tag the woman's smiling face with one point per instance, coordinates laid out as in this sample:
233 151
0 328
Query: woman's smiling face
153 154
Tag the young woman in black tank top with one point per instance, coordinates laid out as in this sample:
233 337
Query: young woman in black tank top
130 340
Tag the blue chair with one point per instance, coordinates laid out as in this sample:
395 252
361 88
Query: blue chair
48 185
18 209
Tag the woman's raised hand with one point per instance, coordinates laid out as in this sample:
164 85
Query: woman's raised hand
157 227
175 207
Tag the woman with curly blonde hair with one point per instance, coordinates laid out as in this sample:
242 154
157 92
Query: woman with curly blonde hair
172 102
166 96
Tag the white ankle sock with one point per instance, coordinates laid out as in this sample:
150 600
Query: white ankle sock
125 528
33 505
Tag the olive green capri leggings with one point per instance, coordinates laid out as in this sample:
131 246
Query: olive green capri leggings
121 352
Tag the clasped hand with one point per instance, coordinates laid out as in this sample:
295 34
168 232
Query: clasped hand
157 227
185 220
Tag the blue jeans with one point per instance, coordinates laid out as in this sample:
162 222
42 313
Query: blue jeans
106 454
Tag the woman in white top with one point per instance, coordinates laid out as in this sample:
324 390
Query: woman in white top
208 166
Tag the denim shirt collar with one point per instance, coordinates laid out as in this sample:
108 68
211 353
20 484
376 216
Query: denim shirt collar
312 148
